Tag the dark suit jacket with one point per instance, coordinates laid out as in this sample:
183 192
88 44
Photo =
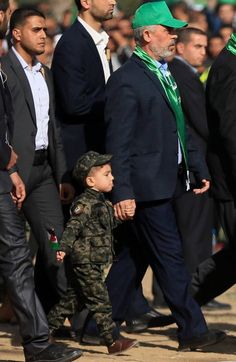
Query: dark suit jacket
142 136
193 101
25 121
5 150
80 92
221 111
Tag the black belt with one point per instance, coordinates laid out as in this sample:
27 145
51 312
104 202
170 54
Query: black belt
40 156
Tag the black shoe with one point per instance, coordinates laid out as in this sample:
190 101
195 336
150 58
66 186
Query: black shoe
91 340
151 319
55 353
215 305
207 339
159 303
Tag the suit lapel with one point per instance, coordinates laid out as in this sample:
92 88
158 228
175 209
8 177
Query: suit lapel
153 77
20 73
92 46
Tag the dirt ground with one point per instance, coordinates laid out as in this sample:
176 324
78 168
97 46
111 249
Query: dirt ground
158 345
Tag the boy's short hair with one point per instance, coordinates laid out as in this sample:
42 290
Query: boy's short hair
86 162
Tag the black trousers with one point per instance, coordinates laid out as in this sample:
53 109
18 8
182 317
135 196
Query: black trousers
194 216
17 270
158 243
42 209
218 273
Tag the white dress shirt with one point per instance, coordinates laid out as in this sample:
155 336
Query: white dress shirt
40 95
101 40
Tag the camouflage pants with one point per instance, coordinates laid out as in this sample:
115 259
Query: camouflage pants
90 289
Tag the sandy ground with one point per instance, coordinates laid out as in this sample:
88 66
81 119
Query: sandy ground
158 345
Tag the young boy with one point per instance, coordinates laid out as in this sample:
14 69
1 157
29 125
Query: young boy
87 240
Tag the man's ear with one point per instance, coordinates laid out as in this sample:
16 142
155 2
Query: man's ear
1 16
16 34
85 4
180 48
147 36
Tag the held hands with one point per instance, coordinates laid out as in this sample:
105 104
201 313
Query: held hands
125 210
60 256
205 187
18 191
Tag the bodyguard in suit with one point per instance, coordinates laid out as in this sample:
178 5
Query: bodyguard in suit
217 273
194 214
146 135
81 68
36 139
15 262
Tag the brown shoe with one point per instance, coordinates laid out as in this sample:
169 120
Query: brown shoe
122 344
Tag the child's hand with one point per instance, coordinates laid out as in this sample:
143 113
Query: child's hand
60 256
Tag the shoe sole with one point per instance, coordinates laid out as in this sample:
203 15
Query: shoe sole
143 328
134 344
62 359
220 339
91 342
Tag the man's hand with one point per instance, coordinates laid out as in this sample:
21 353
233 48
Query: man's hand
67 193
18 191
125 210
60 256
205 187
13 160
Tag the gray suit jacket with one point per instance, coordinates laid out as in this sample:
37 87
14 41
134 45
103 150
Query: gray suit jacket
24 118
5 133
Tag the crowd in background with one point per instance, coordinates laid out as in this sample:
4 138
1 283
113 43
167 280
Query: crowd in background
217 19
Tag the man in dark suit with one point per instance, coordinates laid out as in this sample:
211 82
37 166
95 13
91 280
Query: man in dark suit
37 141
81 68
15 262
217 274
146 135
194 214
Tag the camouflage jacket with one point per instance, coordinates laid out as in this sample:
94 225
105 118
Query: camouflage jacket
88 235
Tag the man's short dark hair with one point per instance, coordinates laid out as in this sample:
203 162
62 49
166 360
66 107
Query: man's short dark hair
4 5
20 15
78 4
184 34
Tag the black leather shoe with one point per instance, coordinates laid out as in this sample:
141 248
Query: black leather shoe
151 319
55 353
215 305
91 340
207 339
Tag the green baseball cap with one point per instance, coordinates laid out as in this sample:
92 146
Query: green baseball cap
227 2
155 13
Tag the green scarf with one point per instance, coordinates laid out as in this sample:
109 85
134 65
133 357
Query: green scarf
231 45
173 96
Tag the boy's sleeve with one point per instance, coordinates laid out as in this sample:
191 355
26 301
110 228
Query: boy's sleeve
79 217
